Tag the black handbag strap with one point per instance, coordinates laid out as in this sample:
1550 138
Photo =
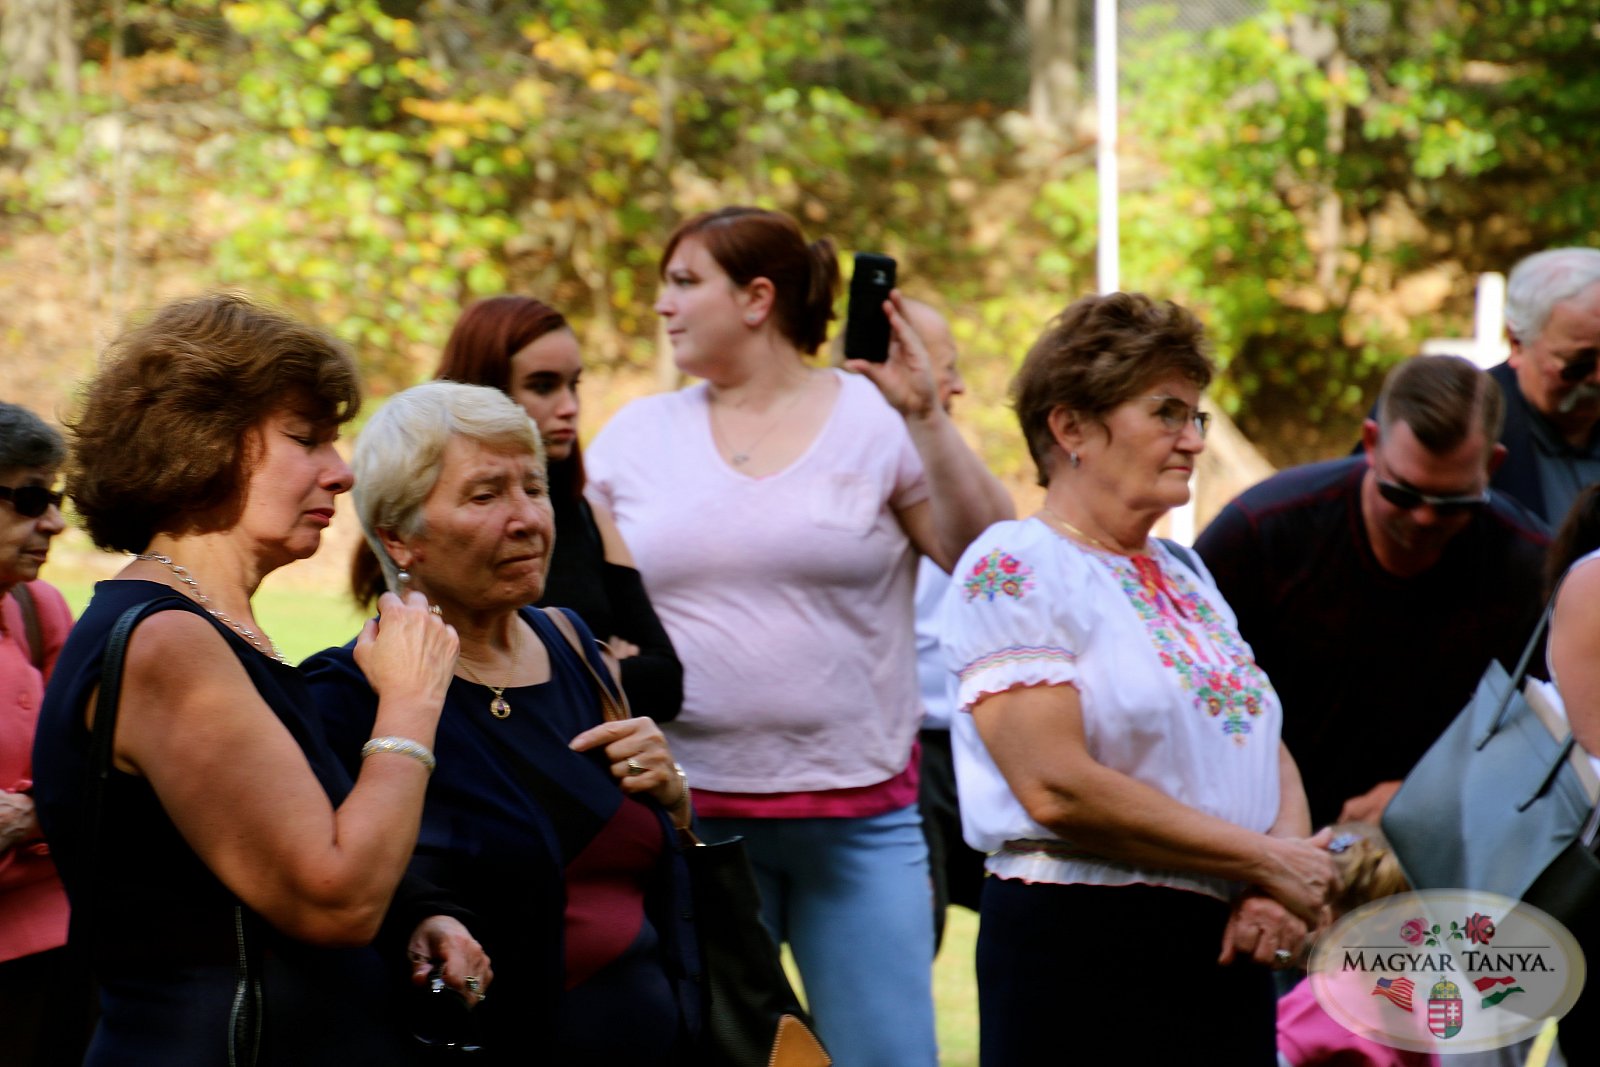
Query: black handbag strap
30 623
244 1037
1521 672
102 737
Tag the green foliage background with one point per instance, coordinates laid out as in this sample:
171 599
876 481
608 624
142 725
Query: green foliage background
1322 180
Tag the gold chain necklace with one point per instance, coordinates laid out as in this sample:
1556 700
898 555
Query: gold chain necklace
499 707
1052 519
269 649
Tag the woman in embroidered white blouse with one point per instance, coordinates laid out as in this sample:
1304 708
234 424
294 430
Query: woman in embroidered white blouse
1121 762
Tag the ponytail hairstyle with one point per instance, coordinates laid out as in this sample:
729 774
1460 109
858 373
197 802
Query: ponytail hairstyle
750 243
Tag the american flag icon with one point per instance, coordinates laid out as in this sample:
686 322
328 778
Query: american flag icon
1398 990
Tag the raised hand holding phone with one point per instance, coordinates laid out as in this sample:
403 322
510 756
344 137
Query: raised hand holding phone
905 377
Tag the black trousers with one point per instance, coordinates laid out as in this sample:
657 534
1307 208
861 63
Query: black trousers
46 1010
1115 974
957 870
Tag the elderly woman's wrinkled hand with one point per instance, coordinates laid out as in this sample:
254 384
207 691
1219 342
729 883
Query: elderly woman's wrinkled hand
442 941
408 649
1301 875
639 758
906 378
1262 930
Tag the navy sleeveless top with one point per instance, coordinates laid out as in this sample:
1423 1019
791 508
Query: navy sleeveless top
165 935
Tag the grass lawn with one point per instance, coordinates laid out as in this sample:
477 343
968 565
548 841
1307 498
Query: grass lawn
306 620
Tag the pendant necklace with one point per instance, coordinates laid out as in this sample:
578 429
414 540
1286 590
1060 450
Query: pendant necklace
269 649
740 456
499 707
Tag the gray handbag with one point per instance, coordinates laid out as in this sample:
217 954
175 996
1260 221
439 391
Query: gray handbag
1504 801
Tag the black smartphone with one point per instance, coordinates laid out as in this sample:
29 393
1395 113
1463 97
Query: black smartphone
866 327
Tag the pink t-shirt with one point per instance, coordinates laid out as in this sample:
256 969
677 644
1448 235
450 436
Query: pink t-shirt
788 597
33 906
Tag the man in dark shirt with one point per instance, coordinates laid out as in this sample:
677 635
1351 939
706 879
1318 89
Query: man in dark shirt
1552 380
1375 589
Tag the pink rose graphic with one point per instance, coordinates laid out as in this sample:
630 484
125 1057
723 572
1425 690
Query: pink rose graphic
1480 928
1411 932
1009 565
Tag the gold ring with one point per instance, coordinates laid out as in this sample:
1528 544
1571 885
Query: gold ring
471 982
433 609
635 767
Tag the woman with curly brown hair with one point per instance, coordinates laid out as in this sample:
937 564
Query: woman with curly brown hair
220 880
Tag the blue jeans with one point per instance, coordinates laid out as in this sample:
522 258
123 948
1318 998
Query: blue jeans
853 900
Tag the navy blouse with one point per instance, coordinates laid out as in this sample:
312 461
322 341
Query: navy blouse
513 819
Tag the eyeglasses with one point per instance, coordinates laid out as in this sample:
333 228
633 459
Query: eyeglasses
29 501
1407 499
1175 415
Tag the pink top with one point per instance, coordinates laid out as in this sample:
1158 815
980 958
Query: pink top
33 906
1308 1036
788 598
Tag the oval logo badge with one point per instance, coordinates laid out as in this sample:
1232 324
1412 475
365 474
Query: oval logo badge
1446 970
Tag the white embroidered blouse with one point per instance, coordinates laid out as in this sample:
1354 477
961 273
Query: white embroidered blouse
1171 694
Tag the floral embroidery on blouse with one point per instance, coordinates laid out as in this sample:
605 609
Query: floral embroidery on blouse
998 573
1211 660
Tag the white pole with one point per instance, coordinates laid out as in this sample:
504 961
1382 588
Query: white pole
1180 521
1105 91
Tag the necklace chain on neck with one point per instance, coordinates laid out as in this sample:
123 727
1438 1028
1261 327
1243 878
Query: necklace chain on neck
1052 519
269 649
499 707
740 456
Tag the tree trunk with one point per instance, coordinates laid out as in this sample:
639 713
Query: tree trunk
666 152
1054 86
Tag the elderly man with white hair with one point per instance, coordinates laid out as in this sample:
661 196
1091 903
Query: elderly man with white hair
1552 380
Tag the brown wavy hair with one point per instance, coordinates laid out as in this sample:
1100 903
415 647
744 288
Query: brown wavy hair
750 243
162 442
1099 353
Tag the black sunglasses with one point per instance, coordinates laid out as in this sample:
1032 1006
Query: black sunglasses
1580 367
29 501
1409 499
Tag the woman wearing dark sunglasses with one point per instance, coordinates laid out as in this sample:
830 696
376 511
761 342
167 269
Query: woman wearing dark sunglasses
34 619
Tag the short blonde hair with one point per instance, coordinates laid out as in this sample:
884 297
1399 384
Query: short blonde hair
1368 869
399 452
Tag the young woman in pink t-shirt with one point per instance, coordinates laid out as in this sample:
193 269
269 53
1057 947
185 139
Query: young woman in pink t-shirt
776 510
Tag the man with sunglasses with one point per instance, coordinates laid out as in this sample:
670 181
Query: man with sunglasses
1374 589
1552 380
44 1014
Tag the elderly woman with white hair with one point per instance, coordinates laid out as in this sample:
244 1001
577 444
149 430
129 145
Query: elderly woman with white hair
554 827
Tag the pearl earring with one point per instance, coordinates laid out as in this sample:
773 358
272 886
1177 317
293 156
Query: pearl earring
1072 458
403 578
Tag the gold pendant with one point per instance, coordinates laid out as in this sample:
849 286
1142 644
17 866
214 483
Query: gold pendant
499 708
